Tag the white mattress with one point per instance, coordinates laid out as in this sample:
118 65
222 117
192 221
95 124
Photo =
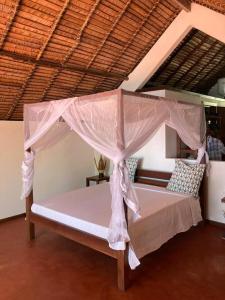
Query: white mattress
164 213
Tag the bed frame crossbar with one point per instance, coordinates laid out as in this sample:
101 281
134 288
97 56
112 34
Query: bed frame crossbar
156 178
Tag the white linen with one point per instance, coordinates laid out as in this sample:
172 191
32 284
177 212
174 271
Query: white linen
164 214
117 124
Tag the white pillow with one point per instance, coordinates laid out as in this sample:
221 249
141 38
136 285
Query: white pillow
186 178
132 163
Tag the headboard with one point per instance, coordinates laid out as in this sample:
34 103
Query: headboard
157 178
160 178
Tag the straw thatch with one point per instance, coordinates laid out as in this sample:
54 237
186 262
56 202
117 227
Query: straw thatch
53 49
195 65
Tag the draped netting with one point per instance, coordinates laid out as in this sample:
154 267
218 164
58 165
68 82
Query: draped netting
116 124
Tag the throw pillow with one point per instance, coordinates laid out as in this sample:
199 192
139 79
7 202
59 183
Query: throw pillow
132 163
186 178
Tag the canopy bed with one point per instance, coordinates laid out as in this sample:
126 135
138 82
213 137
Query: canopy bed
117 124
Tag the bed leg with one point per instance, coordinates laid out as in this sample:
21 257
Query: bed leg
30 231
30 225
122 270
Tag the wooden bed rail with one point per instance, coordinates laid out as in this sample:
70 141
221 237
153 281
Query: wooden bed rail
157 178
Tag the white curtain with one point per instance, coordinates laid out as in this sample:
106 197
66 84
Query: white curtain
117 124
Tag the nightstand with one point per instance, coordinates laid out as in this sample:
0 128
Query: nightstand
96 179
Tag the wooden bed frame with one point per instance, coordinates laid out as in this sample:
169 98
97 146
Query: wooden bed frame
142 176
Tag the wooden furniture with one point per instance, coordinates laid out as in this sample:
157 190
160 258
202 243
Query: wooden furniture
142 176
96 179
223 203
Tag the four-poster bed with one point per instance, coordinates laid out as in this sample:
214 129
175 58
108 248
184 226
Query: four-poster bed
117 124
145 177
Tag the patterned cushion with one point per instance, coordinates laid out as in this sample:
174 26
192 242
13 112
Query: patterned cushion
186 178
132 163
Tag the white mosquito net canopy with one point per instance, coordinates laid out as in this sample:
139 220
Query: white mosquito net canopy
116 124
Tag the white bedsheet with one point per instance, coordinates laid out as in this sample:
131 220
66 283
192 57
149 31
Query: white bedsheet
164 214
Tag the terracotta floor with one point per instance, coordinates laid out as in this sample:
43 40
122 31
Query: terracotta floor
190 266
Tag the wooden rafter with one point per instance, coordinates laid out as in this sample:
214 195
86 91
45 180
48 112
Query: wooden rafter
53 28
194 65
202 67
33 67
183 4
153 41
185 58
56 65
10 23
176 51
19 95
121 53
214 66
117 19
72 49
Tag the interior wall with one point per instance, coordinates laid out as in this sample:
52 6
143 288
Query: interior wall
59 169
11 137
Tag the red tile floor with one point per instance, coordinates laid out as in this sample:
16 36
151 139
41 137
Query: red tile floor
190 266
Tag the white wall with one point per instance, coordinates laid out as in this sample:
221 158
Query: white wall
11 140
58 169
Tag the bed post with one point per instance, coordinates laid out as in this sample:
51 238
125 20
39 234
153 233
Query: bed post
122 255
203 192
30 225
122 269
122 262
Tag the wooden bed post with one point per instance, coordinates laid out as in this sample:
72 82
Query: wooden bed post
203 192
30 225
122 262
122 269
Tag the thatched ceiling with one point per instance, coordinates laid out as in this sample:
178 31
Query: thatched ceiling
53 49
195 65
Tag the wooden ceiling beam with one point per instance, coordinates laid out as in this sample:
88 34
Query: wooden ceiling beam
176 52
203 66
185 58
56 65
129 43
188 71
76 43
13 14
53 28
102 44
183 4
219 65
34 64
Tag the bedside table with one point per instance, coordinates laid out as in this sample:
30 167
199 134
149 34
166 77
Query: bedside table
96 179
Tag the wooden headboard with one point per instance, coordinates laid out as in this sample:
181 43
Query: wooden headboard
157 178
160 178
